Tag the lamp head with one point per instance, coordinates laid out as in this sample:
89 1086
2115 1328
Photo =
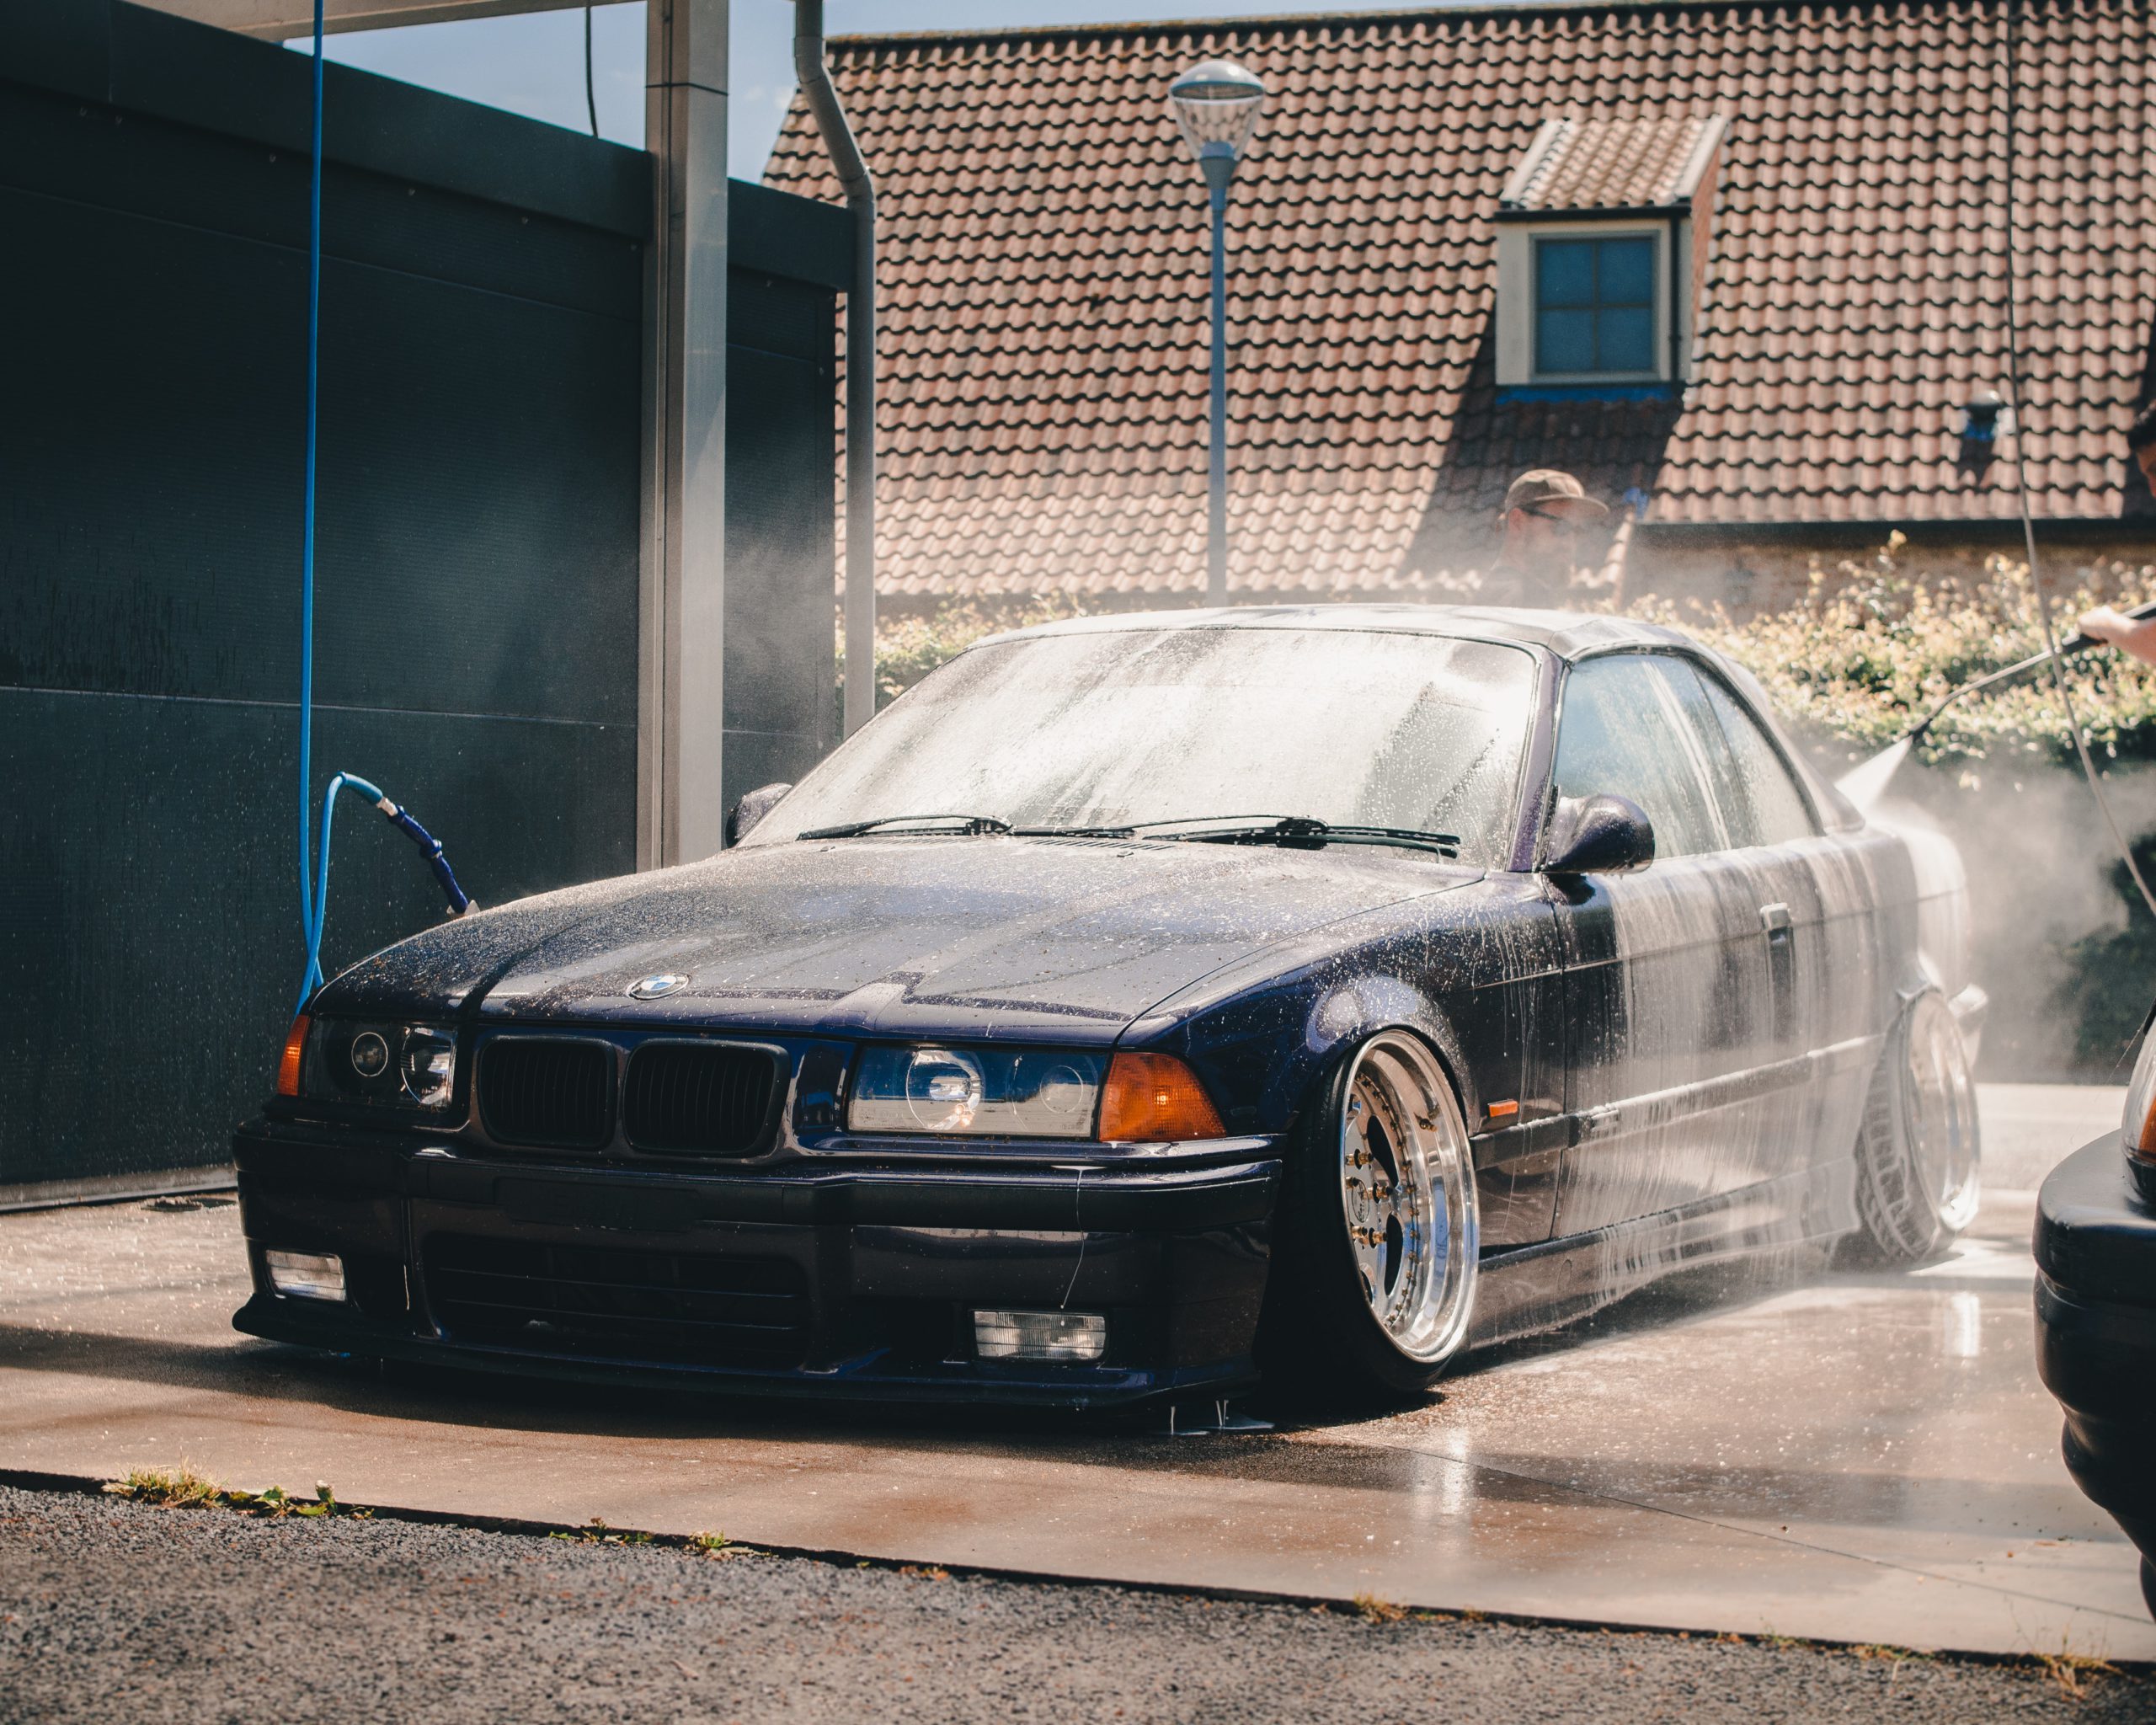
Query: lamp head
1215 107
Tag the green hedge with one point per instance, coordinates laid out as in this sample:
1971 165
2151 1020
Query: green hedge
1874 646
1870 648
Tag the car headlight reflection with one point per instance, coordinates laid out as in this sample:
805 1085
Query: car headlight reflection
411 1065
430 1065
976 1092
943 1090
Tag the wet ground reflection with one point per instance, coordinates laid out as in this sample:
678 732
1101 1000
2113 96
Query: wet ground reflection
1799 1446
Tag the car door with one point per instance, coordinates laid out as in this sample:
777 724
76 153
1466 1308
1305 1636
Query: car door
1669 1000
1816 902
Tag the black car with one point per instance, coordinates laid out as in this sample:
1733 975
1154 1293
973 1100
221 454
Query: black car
1141 1004
2096 1313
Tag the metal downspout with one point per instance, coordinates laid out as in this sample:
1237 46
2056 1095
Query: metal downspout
815 80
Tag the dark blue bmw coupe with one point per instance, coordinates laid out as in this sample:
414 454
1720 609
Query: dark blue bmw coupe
1141 1005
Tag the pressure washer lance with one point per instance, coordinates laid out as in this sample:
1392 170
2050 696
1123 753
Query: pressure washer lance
1864 784
445 876
460 903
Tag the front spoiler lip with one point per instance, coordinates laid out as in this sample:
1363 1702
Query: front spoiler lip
338 1331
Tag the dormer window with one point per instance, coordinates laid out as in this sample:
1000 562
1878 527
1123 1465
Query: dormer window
1594 306
1603 236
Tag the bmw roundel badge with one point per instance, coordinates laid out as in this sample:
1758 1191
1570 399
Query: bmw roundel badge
650 988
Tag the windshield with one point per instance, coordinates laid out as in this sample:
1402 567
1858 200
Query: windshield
1128 727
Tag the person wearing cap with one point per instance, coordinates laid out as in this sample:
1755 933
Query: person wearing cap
2128 634
1545 512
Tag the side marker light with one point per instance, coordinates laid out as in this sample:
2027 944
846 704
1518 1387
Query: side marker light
288 1068
1503 1110
1155 1099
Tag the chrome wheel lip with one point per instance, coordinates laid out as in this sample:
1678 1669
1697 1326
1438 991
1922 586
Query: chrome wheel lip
1407 1196
1941 1120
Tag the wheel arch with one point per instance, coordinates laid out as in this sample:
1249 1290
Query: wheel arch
1341 1019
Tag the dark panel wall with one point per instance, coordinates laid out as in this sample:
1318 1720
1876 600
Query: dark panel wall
477 585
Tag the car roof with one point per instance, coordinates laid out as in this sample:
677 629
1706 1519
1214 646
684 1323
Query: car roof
1566 633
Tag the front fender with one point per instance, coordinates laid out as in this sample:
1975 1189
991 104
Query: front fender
1264 1055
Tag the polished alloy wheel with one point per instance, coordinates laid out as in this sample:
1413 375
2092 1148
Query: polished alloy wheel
1942 1115
1406 1192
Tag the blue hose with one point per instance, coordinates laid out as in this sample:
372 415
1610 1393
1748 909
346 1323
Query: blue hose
314 869
318 905
308 919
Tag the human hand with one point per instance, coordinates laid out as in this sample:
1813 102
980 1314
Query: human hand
2139 638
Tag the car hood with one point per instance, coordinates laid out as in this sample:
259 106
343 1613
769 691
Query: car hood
984 936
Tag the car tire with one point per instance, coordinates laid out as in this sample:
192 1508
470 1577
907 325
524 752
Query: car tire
1919 1153
1374 1249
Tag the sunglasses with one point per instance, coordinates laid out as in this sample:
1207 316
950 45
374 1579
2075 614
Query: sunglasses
1562 524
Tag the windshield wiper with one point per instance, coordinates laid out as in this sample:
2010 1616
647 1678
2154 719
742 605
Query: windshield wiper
1305 832
973 826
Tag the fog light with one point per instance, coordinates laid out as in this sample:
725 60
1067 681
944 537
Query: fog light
1040 1335
306 1275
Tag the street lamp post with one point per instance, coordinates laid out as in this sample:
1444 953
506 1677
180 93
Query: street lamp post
1215 107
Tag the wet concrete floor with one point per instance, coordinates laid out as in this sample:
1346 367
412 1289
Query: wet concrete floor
1857 1457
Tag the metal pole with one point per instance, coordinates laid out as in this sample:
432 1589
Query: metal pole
1219 169
681 706
815 80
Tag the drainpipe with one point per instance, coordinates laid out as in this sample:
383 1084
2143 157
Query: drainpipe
815 80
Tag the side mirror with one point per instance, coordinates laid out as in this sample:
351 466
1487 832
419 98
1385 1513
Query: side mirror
750 810
1598 835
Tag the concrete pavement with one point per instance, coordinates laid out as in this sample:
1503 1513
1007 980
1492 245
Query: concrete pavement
1865 1458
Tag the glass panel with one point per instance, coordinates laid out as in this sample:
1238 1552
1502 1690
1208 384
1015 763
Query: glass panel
1627 339
1623 733
1626 276
1564 272
1594 305
1762 804
1703 740
1110 726
1564 341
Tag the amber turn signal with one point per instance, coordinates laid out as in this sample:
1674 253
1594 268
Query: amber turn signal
1155 1099
288 1068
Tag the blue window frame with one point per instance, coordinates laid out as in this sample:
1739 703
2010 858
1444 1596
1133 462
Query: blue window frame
1594 306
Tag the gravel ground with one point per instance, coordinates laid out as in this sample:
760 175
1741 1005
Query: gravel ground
113 1610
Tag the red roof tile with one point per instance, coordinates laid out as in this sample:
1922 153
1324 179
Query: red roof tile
1044 263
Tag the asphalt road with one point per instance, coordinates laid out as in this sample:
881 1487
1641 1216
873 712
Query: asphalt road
113 1612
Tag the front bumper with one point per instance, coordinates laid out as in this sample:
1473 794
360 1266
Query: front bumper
2096 1248
814 1279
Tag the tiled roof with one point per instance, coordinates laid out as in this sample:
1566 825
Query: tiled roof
1611 164
1045 270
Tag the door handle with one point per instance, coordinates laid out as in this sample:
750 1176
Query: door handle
1774 918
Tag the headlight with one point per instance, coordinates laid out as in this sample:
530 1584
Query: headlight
404 1064
2139 1130
1128 1098
1000 1093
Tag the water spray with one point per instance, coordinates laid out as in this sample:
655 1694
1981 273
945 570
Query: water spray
1864 784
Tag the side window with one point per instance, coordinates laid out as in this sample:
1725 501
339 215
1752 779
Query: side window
1624 731
1761 802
